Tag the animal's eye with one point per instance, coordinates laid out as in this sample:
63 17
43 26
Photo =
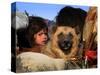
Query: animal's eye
61 35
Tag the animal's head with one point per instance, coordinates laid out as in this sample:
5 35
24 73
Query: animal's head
65 38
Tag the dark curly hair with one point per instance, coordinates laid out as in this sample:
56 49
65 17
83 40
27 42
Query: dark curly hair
25 35
36 24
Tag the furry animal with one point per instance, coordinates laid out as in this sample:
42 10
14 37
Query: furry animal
63 44
32 62
66 35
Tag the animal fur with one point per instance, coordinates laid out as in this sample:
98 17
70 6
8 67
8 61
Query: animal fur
53 44
32 62
69 21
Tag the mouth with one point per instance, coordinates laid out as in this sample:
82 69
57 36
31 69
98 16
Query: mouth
45 42
65 47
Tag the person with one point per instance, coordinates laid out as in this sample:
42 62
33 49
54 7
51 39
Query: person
34 36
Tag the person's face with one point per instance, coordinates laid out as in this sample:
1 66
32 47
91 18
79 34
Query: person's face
41 37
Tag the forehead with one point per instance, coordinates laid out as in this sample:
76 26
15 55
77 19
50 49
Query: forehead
42 31
65 29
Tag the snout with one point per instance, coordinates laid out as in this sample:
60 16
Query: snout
65 45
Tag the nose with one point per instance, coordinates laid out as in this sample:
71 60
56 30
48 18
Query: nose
45 36
68 43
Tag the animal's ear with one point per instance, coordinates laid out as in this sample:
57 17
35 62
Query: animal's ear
54 28
79 32
77 29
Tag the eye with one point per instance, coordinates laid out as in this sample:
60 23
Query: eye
40 34
46 33
61 35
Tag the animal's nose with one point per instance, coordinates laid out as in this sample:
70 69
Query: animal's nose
68 43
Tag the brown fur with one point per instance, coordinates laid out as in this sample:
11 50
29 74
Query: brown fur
52 49
67 35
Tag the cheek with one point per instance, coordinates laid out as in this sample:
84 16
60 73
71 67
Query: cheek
36 38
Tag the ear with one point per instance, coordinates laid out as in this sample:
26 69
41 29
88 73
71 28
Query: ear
77 29
79 32
53 30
